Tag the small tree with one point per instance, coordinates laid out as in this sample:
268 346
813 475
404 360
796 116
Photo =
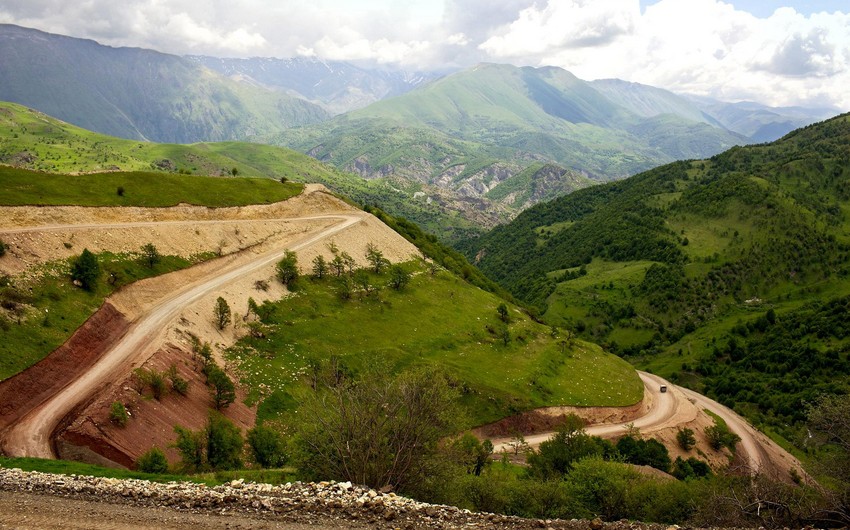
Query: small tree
399 277
518 444
234 171
320 267
345 287
504 316
150 255
180 385
2 248
192 446
224 443
338 265
222 313
686 439
267 446
221 387
86 270
350 263
153 461
287 269
376 258
118 414
120 191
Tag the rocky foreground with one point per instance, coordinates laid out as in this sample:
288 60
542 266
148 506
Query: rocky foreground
325 504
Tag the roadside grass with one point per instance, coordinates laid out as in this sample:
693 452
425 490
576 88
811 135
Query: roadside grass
436 321
150 189
51 308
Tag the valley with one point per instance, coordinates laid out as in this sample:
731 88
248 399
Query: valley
473 294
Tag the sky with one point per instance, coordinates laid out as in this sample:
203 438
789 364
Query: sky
781 53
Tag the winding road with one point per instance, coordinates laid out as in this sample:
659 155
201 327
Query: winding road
31 436
669 409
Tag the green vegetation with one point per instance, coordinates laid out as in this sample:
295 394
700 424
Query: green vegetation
21 186
436 320
118 414
153 461
727 275
40 314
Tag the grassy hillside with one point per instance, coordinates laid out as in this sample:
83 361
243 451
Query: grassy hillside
440 320
32 140
137 93
725 274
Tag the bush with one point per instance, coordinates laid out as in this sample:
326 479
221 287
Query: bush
556 456
224 443
118 414
644 452
2 248
222 388
153 461
180 385
150 255
287 269
686 439
85 270
378 431
399 277
720 436
267 446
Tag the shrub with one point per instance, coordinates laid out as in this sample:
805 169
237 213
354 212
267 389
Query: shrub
399 277
85 270
118 414
180 385
720 436
153 461
224 443
150 255
222 313
287 269
267 446
686 439
2 248
221 387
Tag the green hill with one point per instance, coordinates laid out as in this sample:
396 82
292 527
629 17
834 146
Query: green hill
137 93
727 274
32 140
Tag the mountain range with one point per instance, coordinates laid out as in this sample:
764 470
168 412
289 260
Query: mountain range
481 144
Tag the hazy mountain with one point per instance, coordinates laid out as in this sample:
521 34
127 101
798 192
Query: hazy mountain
759 122
499 120
136 93
337 85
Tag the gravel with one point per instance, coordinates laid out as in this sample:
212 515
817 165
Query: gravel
324 504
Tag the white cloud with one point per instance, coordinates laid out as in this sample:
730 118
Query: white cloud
703 46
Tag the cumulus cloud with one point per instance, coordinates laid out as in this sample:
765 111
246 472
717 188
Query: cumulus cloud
706 47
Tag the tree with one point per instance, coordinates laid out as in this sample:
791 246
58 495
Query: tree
222 313
829 420
399 277
150 255
556 456
2 248
720 436
192 446
221 387
338 265
153 461
287 269
350 263
376 258
474 455
180 385
380 431
86 270
234 171
686 439
504 316
320 267
267 446
224 443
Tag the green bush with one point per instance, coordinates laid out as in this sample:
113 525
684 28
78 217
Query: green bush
267 446
118 414
153 461
86 270
224 443
686 439
2 248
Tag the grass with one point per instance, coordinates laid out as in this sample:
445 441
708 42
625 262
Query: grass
439 321
53 308
150 189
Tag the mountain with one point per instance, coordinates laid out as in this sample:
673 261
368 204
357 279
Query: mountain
136 93
475 135
338 86
759 122
728 274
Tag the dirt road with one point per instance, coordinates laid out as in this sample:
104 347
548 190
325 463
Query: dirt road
31 436
678 406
